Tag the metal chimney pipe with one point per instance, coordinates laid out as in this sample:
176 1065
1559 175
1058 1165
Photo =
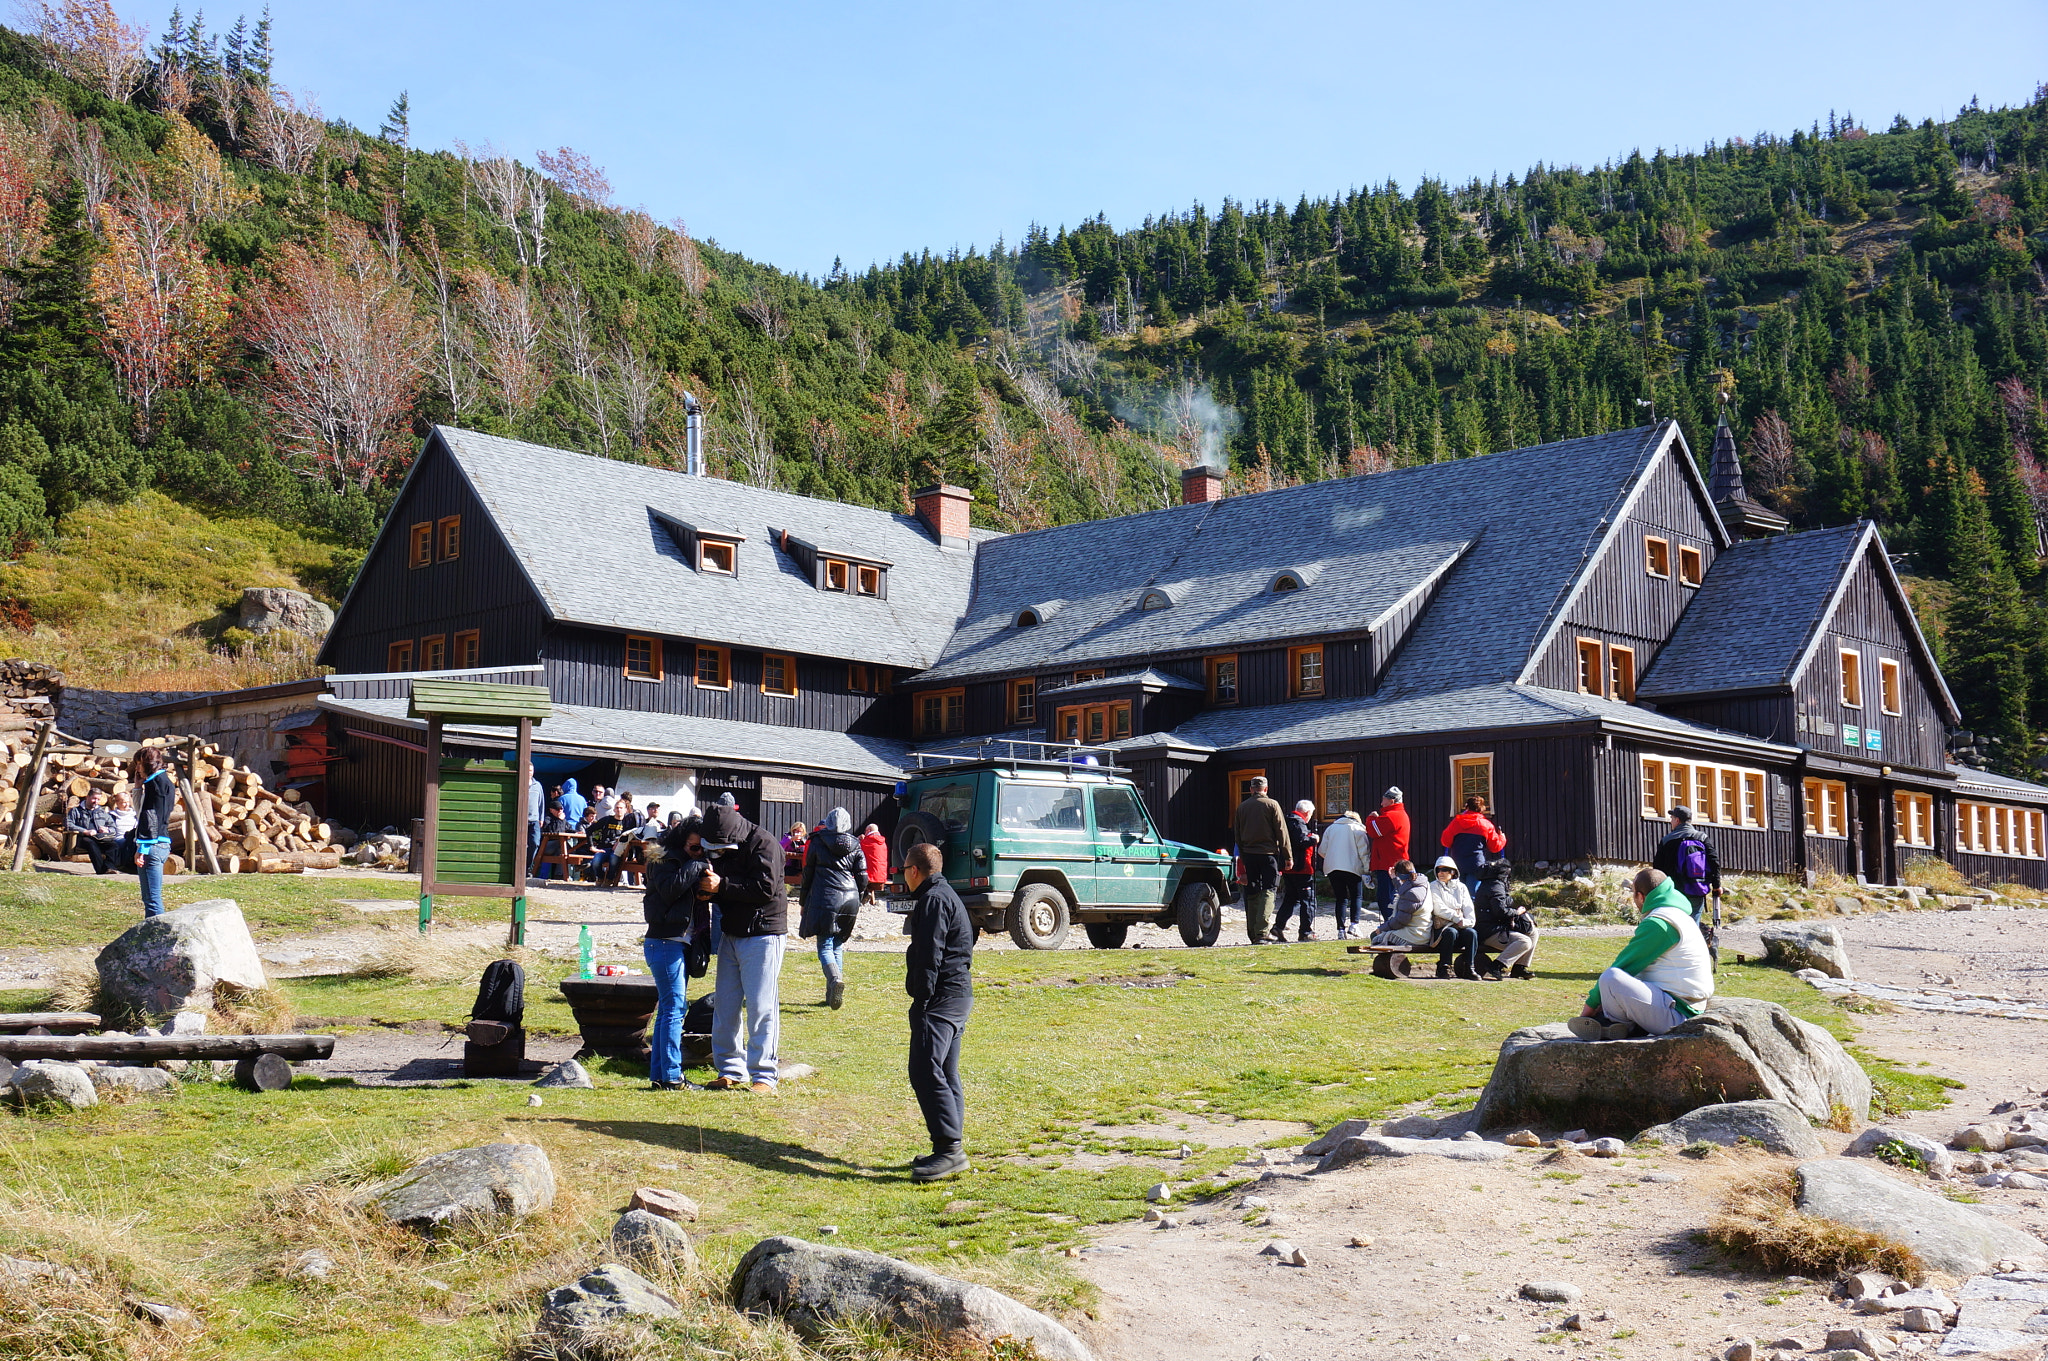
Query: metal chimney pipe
693 435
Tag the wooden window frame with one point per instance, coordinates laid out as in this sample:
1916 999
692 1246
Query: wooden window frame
857 678
1231 786
1692 569
1728 797
788 660
1912 819
1082 677
844 571
1021 697
1655 549
1297 684
1211 666
1652 788
448 538
1827 808
1849 677
867 580
1752 807
1320 774
468 649
1621 674
434 652
653 671
420 550
1592 653
951 704
1085 717
883 679
707 549
1458 763
1891 693
2006 831
724 656
398 656
1734 795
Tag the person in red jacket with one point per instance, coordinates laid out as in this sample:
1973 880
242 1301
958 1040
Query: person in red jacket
1298 880
1387 834
1470 838
875 847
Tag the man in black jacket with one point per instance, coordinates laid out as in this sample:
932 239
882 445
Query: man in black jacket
753 920
942 993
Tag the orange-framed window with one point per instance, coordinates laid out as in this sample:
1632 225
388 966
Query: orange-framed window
1827 808
1333 790
1305 671
1472 774
434 652
1092 723
867 581
1241 786
882 679
835 575
1657 556
1024 700
1222 679
1890 695
1097 674
643 657
448 533
941 713
469 648
1851 678
778 674
422 540
1728 796
714 668
857 678
1912 818
1752 798
1690 568
1621 674
398 657
1653 787
1592 673
719 556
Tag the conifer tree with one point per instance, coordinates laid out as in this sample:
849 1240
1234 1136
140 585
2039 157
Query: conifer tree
51 321
1991 630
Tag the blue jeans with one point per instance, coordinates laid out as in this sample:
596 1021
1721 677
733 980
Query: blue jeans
665 962
748 969
1383 889
832 946
152 875
1349 889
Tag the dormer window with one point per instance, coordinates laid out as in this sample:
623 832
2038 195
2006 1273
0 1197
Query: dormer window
718 556
1155 600
836 575
1027 619
867 580
1286 581
1291 579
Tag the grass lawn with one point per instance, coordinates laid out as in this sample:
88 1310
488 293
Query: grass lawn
44 910
203 1196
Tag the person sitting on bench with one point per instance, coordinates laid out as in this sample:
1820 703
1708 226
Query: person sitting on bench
1432 915
1408 921
1661 978
95 828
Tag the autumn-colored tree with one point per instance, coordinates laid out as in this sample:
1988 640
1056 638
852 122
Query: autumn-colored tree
510 328
346 353
86 40
582 179
163 309
22 210
898 417
286 132
1005 456
1773 459
191 172
680 254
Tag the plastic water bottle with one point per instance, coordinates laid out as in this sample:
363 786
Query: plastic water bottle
585 950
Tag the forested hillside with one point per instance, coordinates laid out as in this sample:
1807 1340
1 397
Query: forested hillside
213 292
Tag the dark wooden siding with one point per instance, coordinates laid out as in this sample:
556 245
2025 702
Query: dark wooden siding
1626 835
482 589
2000 869
587 667
1766 716
400 687
866 803
1866 621
380 780
1621 602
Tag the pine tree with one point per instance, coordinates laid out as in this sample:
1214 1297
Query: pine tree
1991 630
51 322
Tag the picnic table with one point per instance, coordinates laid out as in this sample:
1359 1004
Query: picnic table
559 848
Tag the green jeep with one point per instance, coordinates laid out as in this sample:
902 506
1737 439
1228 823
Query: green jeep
1039 845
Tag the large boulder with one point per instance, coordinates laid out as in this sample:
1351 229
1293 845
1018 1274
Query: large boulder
52 1082
1740 1049
469 1186
1949 1237
273 609
1772 1124
1808 945
611 1294
173 962
813 1287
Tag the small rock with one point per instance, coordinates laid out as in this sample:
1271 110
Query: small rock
605 1296
1979 1139
49 1082
2005 1107
1936 1159
1360 1241
1159 1192
1552 1292
1256 1203
1168 1222
1664 1178
1866 1285
1279 1247
1789 1343
668 1204
1922 1321
568 1073
1523 1138
533 1099
430 1283
1297 1258
1185 1152
2026 1181
1573 1323
30 1269
1867 1341
1472 1136
1744 1349
1152 1216
164 1315
828 1230
1577 1136
312 1264
1607 1148
643 1237
469 1185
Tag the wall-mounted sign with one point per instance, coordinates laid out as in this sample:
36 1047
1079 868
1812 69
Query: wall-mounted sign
1872 740
1852 736
777 790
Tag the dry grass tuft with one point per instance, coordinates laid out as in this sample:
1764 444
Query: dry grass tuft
436 959
1567 1156
251 1011
1760 1218
82 1312
75 986
1934 875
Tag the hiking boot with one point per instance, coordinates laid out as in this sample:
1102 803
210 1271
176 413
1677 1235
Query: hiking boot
664 1086
1443 970
1491 973
1307 935
933 1166
763 1089
1620 1030
835 993
1521 971
1467 972
723 1084
1585 1027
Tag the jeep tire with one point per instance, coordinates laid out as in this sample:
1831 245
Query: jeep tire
1107 935
915 829
1199 913
1039 918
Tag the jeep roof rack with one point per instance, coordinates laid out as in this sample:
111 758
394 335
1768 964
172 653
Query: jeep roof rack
1013 754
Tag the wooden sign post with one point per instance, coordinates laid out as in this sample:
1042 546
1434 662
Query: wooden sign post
474 842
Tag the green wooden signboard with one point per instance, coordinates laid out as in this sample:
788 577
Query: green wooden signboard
475 805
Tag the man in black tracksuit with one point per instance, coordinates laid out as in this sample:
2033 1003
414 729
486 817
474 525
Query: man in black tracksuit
942 993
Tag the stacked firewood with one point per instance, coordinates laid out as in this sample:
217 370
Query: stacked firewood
251 828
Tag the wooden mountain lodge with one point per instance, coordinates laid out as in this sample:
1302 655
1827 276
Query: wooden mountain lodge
1584 634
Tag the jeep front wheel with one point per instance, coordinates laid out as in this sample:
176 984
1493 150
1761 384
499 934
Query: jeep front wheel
1038 918
1108 935
1200 915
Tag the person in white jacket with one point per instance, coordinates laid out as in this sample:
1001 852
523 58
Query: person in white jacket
1455 922
1343 851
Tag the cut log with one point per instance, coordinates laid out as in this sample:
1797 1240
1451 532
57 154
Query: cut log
174 864
312 860
48 843
292 796
78 786
300 1047
48 1022
274 866
231 864
263 1073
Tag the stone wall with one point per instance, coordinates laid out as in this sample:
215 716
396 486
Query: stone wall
245 729
92 714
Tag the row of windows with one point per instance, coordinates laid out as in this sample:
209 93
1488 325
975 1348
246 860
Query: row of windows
432 653
1994 829
1827 808
1332 785
1727 796
1888 692
711 669
836 574
1912 818
1657 561
1607 670
435 541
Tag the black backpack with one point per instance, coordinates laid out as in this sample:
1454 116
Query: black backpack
501 995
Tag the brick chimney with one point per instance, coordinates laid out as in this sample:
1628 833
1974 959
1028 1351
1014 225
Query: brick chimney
944 510
1200 483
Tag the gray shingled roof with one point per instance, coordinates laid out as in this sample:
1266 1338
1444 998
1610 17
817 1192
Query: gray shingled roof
584 530
1467 708
1150 677
1750 621
1524 521
2003 786
681 738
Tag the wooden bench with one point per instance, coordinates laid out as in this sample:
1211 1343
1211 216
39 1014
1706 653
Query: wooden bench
262 1062
557 848
47 1022
1389 961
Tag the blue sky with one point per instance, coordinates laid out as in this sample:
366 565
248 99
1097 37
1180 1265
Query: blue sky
798 132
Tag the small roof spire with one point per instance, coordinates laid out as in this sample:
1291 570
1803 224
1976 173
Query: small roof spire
1746 519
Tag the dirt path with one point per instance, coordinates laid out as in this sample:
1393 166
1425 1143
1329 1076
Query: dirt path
1451 1243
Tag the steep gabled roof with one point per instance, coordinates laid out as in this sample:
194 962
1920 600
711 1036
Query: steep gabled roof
588 533
1507 533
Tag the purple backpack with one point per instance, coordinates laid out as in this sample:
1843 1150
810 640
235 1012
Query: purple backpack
1692 867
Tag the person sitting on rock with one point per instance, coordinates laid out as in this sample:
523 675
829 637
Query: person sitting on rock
1504 928
1661 978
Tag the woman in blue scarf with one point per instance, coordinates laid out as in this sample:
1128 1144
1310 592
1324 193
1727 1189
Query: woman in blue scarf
154 797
